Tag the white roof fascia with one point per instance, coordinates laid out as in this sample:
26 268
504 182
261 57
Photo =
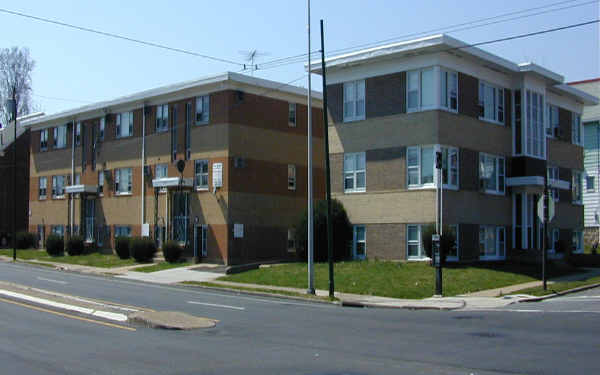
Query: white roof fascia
534 68
581 95
146 95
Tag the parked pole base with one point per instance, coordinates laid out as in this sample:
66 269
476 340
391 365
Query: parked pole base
310 291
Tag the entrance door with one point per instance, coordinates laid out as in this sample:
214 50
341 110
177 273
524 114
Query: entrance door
90 214
181 216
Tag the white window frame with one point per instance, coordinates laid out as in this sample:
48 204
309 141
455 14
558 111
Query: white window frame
101 183
576 129
357 101
291 177
457 243
500 178
499 246
419 89
419 242
353 173
58 189
447 92
588 188
43 185
158 172
202 102
356 241
552 120
44 140
446 165
119 229
60 136
162 118
577 241
577 181
553 175
119 177
292 115
199 176
120 126
498 105
419 167
535 127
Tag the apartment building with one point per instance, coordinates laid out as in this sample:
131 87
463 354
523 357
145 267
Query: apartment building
112 168
501 127
591 130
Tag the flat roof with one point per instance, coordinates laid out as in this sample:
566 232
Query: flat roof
170 89
445 43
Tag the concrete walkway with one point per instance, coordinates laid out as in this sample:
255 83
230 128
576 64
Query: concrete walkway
173 276
510 289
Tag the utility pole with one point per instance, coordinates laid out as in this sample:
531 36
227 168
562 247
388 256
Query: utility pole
311 276
327 174
436 242
546 220
12 106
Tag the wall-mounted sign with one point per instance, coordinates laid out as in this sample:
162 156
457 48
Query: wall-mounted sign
145 230
238 230
217 169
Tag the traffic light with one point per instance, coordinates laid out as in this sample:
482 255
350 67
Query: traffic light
438 160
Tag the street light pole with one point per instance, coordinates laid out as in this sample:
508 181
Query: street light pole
311 276
12 106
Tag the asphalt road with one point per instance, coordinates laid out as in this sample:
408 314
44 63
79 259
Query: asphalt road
259 335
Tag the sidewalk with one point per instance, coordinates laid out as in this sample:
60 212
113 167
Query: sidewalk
174 275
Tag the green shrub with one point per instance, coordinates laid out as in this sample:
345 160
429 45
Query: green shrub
342 232
142 249
26 240
55 245
172 251
122 247
447 240
75 245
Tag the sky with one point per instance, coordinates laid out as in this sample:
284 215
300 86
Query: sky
74 68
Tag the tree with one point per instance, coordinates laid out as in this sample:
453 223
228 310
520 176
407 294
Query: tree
15 78
342 232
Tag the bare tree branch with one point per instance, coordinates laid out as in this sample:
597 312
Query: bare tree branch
16 66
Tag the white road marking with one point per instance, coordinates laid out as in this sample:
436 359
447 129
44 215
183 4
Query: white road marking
533 311
52 281
217 305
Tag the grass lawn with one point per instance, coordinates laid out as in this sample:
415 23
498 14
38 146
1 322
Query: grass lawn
162 266
559 287
92 259
391 279
270 291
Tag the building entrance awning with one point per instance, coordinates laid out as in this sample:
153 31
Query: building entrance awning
537 181
74 189
173 182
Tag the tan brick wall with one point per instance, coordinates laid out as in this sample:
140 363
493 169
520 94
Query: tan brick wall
386 241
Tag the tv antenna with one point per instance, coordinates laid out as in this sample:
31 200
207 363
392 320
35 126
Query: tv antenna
250 57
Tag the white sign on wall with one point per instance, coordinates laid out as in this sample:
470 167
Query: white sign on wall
238 230
217 174
145 230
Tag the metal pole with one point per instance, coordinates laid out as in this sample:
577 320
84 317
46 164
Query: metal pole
546 209
14 115
311 276
327 174
143 165
71 208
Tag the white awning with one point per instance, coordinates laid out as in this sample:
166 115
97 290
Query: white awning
537 181
167 182
73 189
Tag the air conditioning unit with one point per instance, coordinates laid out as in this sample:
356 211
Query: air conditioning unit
239 162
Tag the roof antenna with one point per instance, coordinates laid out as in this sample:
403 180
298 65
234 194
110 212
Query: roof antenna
250 56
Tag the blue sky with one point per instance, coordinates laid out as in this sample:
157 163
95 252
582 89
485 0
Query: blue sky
84 67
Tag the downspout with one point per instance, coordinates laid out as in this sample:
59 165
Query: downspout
73 129
143 164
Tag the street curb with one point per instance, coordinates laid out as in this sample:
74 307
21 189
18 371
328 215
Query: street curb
255 293
558 294
407 307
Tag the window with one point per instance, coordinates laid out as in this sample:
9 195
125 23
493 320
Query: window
553 175
414 246
354 172
354 100
58 186
449 90
491 100
58 230
492 242
420 166
535 145
419 90
576 130
452 254
576 187
100 182
174 134
577 241
359 247
589 183
188 130
42 191
491 173
201 167
60 136
123 181
162 117
292 114
202 110
78 134
291 242
161 170
450 167
122 231
552 124
291 177
44 140
204 240
101 129
124 124
555 238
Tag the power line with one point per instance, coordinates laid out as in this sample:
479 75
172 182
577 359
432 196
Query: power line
451 28
117 36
